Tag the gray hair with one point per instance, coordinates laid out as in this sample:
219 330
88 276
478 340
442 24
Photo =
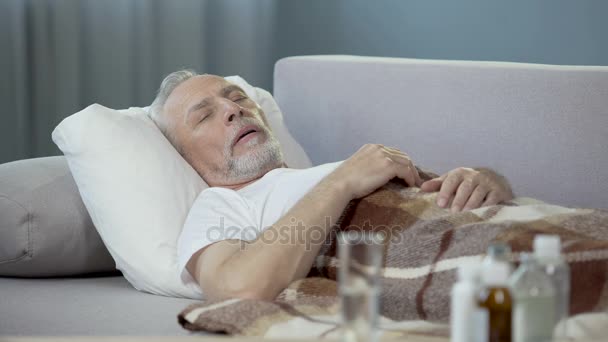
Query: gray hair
169 84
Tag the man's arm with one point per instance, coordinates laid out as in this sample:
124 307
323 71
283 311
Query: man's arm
264 267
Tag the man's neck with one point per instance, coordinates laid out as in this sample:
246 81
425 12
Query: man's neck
236 187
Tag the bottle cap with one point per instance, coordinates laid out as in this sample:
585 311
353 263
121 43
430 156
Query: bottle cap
469 270
547 247
499 251
497 275
526 258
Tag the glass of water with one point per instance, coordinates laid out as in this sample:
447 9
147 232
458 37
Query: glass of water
360 254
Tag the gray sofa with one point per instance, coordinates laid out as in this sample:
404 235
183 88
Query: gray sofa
544 127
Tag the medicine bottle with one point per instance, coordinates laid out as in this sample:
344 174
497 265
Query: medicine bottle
496 299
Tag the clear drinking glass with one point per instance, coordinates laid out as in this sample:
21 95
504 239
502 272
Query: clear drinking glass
360 254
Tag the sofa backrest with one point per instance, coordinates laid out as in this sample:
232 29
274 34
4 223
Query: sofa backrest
544 127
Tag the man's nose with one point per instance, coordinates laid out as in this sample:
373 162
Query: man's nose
232 111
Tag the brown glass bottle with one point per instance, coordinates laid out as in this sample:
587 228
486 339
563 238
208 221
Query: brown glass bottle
496 298
498 302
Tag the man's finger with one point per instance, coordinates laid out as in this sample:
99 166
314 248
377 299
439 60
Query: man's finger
431 185
406 174
476 198
448 188
414 171
491 199
401 158
465 189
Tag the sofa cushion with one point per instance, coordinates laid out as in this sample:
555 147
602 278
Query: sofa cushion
45 229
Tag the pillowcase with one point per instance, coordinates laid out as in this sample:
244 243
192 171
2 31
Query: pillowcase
138 189
45 230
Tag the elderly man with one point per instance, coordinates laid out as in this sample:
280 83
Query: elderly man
224 135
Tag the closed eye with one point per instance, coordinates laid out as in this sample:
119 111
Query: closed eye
239 97
203 117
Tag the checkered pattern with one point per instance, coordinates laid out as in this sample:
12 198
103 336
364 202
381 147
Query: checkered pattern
425 246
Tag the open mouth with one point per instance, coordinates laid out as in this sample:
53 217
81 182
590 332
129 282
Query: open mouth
245 132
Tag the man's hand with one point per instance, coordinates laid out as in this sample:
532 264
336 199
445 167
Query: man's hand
373 166
469 188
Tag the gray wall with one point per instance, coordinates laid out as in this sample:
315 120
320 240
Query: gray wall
56 57
548 31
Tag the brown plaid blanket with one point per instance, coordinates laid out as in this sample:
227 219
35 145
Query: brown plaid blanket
426 245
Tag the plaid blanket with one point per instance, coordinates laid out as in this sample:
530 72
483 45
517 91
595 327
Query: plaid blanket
425 246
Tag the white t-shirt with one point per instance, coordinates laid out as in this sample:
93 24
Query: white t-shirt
223 214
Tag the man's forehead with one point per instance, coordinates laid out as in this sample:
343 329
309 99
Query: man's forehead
207 84
196 88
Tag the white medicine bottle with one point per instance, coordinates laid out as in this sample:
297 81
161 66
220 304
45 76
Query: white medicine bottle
464 309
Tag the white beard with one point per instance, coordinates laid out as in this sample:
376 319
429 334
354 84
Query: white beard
262 157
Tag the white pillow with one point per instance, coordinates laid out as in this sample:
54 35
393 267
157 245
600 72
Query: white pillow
138 189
